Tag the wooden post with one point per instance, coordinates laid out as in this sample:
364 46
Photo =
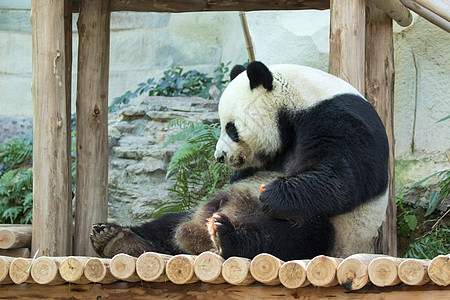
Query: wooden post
379 74
52 202
347 21
92 121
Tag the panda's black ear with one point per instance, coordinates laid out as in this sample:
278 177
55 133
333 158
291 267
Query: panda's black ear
237 69
258 74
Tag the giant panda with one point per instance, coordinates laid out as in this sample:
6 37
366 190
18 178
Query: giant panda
311 174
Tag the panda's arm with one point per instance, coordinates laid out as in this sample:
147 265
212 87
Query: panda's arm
329 189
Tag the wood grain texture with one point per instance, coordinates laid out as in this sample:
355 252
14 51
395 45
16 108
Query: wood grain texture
208 267
98 270
19 252
379 87
5 262
153 290
44 270
215 5
395 10
353 272
292 274
427 14
180 269
123 267
414 271
236 270
383 271
347 23
19 270
321 270
439 270
15 237
52 204
264 268
151 266
440 8
92 121
71 269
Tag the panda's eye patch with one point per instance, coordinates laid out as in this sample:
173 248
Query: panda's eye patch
231 130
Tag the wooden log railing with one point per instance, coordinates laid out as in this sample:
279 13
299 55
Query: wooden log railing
353 273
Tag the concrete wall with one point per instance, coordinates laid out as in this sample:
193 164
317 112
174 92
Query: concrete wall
143 45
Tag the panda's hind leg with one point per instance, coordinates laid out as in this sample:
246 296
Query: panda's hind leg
157 235
280 238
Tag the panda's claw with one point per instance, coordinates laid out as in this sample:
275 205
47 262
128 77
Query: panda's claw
101 234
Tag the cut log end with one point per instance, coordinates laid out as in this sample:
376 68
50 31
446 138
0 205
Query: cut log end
5 262
414 272
264 268
123 267
292 274
180 269
236 270
97 270
383 271
151 266
439 270
321 271
72 269
19 270
208 267
45 271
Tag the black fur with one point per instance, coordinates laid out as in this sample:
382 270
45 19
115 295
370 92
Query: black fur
237 69
337 153
280 238
259 74
232 132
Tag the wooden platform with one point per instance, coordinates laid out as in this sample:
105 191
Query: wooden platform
146 290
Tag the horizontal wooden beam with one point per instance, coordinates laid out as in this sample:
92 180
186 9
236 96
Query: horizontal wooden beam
153 290
177 6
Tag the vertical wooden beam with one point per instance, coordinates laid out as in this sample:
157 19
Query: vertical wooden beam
92 120
347 23
51 159
380 92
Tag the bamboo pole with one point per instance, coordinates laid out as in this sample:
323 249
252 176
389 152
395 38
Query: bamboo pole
44 270
208 267
395 10
123 267
15 237
236 270
264 268
347 23
352 273
72 270
5 262
92 121
379 82
151 266
19 252
414 272
427 14
19 270
98 270
321 270
439 270
180 269
247 36
292 274
52 203
383 271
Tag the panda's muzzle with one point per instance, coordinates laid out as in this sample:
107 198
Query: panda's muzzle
221 158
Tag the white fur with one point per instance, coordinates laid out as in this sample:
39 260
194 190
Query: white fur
356 230
254 112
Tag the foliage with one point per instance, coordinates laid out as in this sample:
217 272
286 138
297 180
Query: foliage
440 191
193 168
406 219
14 153
16 181
434 243
176 83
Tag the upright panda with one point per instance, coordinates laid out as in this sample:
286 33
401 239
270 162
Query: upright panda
320 149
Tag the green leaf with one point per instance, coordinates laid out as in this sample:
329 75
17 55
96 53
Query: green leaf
443 119
411 220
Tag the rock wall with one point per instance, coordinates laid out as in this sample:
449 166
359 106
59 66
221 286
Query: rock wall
138 159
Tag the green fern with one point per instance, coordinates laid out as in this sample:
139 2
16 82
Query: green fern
16 196
195 173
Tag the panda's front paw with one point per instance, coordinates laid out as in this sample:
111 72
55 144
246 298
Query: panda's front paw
222 232
276 200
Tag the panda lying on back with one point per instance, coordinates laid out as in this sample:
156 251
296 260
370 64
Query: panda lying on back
322 152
